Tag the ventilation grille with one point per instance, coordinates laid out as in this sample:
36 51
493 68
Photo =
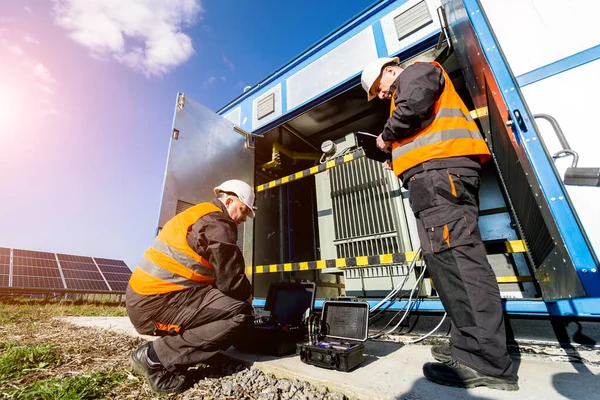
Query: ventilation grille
363 212
538 238
412 20
182 206
265 106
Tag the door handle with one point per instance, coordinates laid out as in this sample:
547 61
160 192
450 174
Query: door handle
566 149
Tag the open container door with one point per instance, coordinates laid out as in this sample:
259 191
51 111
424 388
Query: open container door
557 245
205 150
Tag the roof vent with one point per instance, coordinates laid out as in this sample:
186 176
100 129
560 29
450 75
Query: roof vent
412 20
265 106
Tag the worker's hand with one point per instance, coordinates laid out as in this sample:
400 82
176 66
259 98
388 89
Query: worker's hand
249 301
383 145
387 165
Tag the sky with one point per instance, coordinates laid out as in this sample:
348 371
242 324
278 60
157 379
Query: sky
87 93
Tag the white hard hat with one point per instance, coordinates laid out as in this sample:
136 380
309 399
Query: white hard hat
241 189
372 72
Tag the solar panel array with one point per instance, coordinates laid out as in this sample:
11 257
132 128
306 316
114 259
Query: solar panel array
41 270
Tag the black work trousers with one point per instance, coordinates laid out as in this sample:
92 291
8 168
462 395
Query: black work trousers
194 324
446 205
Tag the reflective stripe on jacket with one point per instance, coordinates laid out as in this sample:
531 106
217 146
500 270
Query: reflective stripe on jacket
170 264
451 133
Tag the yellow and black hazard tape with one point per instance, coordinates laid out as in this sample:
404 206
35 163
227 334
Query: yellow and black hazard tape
311 171
350 262
513 246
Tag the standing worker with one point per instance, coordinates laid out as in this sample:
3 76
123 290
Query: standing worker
437 152
191 289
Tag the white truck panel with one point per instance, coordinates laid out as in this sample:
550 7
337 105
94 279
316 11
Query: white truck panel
332 68
570 97
534 33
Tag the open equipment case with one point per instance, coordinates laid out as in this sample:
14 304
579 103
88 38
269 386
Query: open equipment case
340 342
278 333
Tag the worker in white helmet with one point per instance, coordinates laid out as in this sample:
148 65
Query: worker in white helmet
437 152
191 288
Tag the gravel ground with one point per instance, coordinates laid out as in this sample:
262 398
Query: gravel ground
236 381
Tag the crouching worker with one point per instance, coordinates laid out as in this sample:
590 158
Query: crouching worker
190 288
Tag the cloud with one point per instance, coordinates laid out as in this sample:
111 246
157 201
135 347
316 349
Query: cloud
30 39
47 89
13 48
40 71
37 74
28 10
210 81
145 35
36 68
228 63
50 111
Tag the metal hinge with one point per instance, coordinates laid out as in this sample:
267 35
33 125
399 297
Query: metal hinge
250 137
180 101
444 26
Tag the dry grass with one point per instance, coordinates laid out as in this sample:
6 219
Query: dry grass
55 358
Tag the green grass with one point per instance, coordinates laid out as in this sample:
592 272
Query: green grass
18 361
92 386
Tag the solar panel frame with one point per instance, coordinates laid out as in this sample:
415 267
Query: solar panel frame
35 270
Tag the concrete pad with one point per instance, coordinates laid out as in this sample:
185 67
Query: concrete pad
120 325
393 371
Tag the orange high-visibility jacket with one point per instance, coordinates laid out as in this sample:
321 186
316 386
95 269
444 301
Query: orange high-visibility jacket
452 133
170 264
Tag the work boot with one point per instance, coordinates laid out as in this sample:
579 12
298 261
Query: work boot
453 373
442 353
157 376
